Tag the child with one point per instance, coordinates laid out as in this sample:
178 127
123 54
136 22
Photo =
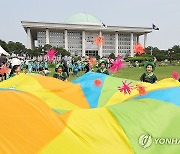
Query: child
3 71
30 67
75 69
70 66
41 66
149 75
46 72
34 66
87 68
46 65
16 70
102 67
59 73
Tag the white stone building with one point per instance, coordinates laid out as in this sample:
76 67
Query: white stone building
77 35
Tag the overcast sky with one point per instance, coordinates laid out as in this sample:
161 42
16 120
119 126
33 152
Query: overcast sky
163 13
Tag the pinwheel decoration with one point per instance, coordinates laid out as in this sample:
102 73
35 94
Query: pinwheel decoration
99 40
138 49
116 65
51 54
175 75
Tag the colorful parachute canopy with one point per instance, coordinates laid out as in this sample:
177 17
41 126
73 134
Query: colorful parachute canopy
44 115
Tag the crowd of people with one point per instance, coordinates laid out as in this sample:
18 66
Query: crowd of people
14 66
63 68
10 67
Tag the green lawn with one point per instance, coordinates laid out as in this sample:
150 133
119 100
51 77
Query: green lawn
134 73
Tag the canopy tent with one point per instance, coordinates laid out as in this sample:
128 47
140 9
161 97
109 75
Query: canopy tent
2 51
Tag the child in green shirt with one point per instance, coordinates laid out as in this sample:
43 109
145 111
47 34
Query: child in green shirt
102 67
59 73
149 75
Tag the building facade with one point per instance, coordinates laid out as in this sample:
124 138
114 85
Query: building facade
77 35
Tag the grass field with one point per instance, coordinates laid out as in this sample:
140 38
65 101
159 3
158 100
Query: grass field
134 73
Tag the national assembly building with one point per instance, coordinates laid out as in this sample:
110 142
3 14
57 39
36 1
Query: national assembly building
77 35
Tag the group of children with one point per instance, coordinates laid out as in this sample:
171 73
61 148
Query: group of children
61 74
79 66
35 66
6 72
76 67
11 69
148 76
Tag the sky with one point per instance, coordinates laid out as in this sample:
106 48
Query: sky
163 13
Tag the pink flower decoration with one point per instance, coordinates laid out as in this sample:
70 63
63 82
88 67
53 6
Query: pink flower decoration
126 88
116 65
51 54
175 75
98 83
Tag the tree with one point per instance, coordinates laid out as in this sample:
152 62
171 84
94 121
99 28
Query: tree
159 54
28 52
63 52
97 57
47 47
3 44
176 48
112 56
16 47
150 49
36 52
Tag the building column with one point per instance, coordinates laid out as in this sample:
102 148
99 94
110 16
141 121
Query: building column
33 44
145 40
29 39
132 46
66 39
137 38
83 43
116 44
47 36
100 47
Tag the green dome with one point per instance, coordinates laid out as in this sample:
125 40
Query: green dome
83 18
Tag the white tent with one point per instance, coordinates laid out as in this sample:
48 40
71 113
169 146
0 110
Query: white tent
2 51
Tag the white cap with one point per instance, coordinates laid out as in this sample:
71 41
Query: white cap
15 61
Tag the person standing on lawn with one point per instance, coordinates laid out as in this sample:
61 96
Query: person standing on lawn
103 67
59 73
149 76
